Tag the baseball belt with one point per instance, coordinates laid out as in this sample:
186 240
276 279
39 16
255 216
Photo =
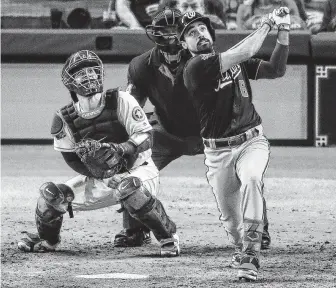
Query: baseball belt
232 141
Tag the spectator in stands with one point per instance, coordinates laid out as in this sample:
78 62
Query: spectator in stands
329 17
110 18
214 9
250 13
231 8
301 8
136 14
312 18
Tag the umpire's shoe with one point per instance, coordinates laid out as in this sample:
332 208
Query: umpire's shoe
248 269
33 243
170 247
265 240
132 238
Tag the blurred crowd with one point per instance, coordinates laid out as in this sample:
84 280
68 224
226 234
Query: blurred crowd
314 15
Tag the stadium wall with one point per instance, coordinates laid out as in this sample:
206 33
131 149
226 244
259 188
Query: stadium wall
293 111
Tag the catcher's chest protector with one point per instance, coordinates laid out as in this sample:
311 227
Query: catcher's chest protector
106 125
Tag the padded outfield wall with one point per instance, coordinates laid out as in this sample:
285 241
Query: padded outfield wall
31 88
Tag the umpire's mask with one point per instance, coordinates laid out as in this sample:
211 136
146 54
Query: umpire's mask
163 32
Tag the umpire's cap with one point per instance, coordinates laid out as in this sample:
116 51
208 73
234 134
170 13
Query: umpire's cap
191 17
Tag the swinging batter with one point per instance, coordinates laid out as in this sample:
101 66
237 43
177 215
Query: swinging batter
236 150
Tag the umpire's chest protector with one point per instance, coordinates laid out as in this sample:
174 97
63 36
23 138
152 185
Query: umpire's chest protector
104 126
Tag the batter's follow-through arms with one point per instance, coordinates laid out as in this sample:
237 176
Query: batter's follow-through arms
251 44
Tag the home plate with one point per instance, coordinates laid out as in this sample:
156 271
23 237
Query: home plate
113 276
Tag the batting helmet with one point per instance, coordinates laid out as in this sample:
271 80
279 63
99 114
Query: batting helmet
83 73
163 30
190 17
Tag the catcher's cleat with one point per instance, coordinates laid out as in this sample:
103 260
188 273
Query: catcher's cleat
33 243
248 269
265 240
170 247
235 260
132 238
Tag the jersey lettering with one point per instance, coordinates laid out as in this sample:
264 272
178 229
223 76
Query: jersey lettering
243 89
225 80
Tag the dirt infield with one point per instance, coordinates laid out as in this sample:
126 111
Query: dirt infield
301 197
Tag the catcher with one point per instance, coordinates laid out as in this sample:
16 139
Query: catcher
106 138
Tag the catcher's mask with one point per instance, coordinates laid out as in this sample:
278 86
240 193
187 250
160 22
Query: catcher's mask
83 73
163 32
191 17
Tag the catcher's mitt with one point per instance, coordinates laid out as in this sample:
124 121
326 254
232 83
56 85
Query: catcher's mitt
101 159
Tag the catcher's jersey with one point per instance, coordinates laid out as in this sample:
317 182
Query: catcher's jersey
223 99
117 118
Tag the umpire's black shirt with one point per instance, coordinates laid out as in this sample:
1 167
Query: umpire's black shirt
222 99
149 78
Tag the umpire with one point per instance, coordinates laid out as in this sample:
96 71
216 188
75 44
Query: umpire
157 75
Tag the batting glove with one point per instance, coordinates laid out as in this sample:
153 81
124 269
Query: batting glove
281 17
268 19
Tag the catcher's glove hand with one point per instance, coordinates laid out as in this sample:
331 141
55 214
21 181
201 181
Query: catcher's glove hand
101 159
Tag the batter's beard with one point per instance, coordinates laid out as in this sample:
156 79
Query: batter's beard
205 50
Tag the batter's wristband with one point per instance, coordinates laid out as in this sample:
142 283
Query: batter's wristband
284 27
269 22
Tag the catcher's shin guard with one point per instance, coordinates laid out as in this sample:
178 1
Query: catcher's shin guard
48 222
51 205
134 233
141 205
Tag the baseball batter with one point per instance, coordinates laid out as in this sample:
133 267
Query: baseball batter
106 138
157 75
236 150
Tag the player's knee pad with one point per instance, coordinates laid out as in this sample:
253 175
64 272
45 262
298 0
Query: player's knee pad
139 202
51 205
132 194
131 223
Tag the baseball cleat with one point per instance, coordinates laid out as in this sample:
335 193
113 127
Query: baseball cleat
248 269
265 240
235 260
170 247
132 238
33 243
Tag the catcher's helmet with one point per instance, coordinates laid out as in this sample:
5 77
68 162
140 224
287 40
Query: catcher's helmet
191 17
83 73
163 30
